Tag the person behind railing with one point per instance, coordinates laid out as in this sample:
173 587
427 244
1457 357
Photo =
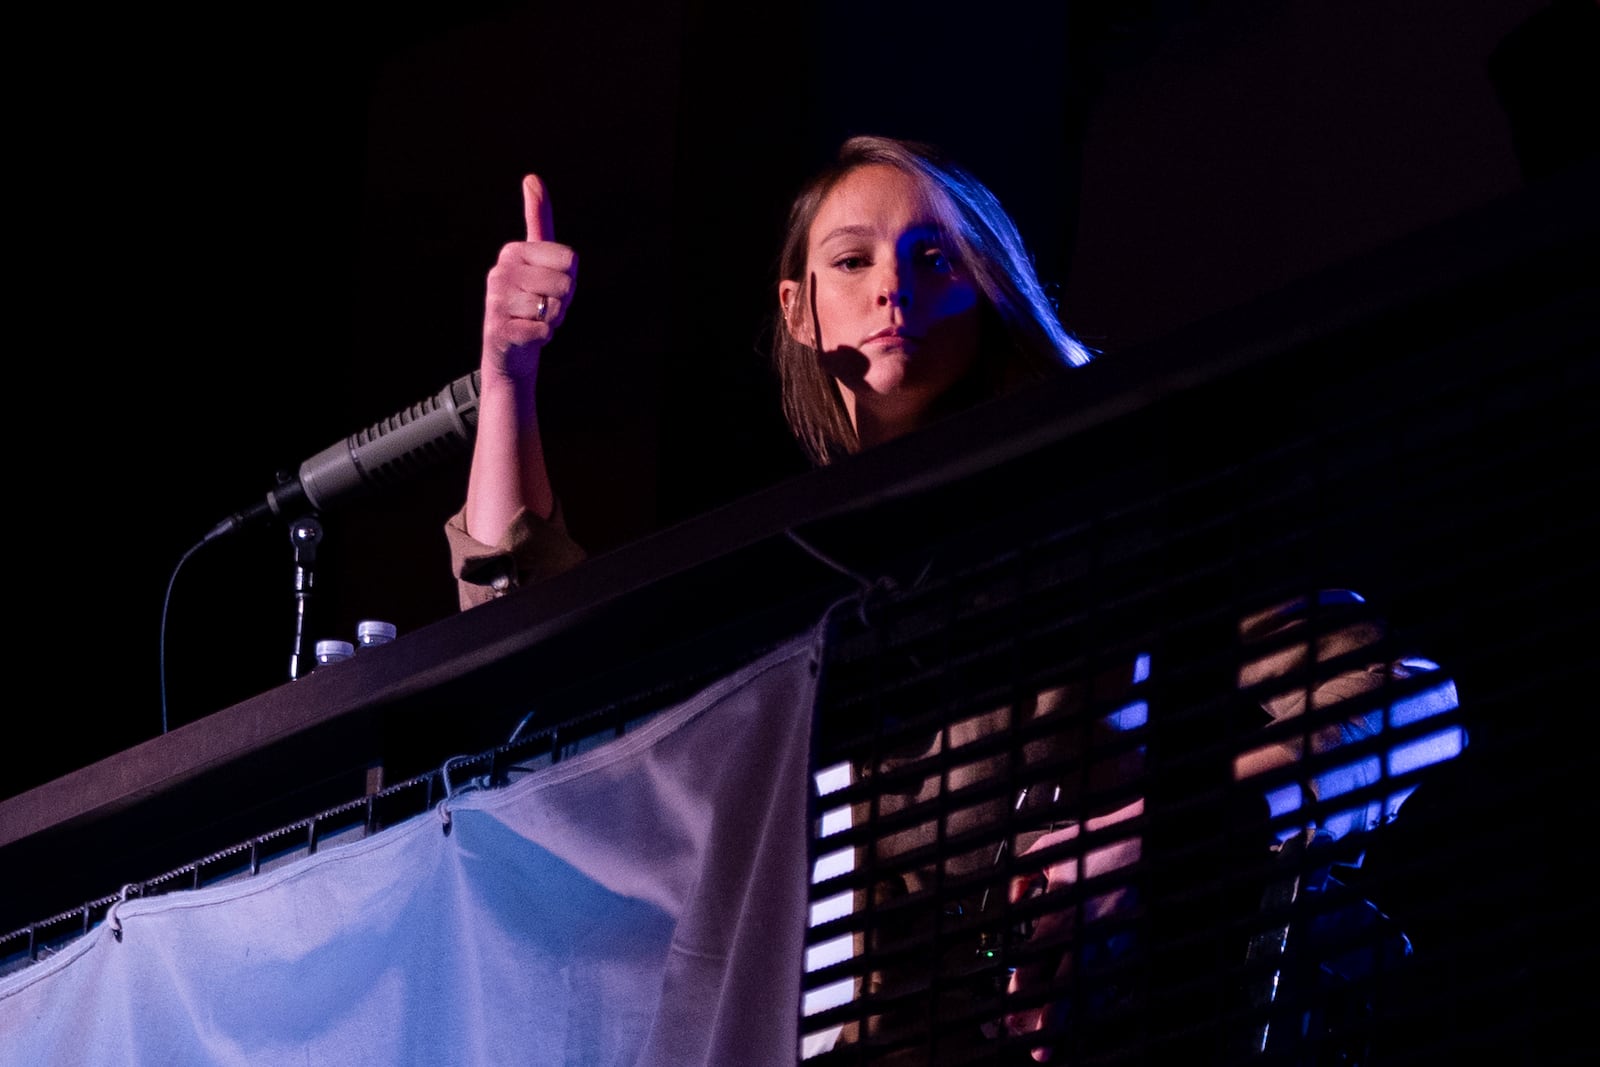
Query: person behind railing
905 294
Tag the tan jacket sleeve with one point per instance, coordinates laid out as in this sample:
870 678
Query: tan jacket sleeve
532 550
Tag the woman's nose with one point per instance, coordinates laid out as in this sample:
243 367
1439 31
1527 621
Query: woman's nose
891 291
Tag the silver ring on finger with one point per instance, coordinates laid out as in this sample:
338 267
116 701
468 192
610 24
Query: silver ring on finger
544 307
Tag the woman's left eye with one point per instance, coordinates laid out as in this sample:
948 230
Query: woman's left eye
936 260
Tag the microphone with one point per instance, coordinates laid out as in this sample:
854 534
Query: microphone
424 434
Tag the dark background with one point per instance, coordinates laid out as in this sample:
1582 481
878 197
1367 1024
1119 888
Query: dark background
247 235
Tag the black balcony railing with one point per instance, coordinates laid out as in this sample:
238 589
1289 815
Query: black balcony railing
1039 638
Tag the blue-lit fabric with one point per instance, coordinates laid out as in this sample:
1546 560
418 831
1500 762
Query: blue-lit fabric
641 903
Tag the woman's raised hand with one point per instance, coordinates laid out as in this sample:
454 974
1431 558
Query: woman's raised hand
529 291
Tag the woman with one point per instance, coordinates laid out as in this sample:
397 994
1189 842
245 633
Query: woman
905 294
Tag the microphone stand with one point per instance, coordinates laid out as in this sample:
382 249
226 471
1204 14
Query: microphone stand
427 432
305 533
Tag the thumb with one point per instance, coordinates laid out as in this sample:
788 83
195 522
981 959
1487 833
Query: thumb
536 210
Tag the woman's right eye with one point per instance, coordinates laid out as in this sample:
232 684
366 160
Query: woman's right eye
850 262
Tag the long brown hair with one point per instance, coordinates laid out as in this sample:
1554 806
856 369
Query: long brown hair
1021 338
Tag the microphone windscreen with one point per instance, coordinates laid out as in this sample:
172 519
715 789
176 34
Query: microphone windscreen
422 436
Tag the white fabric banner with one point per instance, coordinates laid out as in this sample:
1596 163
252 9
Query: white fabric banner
643 903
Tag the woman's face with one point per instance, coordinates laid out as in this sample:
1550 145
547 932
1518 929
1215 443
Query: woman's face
899 318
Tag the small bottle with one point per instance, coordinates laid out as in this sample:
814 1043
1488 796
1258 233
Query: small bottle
332 651
371 633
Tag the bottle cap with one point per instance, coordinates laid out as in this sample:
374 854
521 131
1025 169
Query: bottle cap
374 632
331 651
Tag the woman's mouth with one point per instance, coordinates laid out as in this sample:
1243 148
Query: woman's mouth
891 337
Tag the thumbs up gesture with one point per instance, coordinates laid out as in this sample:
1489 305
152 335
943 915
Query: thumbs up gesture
529 291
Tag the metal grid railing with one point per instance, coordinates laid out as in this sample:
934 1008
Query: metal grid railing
1079 633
